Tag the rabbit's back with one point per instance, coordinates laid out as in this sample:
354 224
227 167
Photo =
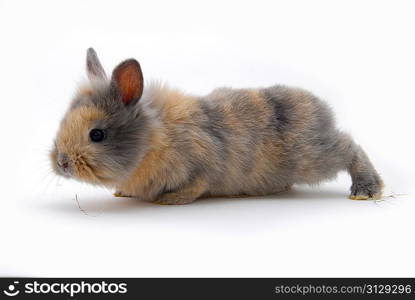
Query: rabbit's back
253 141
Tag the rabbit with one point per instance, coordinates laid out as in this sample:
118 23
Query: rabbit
159 144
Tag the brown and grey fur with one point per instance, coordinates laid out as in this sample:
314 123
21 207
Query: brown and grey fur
172 148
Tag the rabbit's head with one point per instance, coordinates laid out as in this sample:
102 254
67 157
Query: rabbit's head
105 130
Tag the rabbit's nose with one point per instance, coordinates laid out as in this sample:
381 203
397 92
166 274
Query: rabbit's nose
63 162
63 165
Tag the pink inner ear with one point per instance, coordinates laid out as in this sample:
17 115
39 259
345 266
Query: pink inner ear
129 80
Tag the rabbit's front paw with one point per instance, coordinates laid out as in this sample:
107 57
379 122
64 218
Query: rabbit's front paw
121 194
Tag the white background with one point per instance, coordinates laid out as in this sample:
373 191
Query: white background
357 55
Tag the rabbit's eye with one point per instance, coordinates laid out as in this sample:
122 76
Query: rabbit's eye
97 135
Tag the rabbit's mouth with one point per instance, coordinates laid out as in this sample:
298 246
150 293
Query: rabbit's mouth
65 173
73 165
87 172
76 166
83 170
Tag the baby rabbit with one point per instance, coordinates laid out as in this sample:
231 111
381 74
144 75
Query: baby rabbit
161 145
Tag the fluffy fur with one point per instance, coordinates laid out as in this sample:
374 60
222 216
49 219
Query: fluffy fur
173 148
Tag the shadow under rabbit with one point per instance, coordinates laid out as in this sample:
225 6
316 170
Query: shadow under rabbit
110 204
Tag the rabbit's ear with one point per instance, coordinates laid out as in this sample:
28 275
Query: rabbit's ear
94 69
127 78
